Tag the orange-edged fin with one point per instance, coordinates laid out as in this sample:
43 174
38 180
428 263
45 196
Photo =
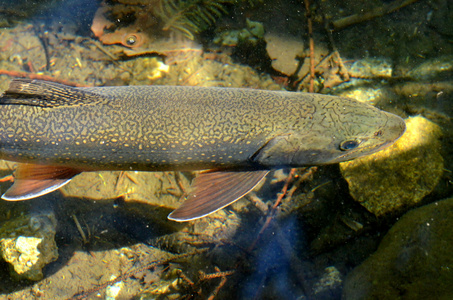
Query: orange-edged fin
215 190
31 181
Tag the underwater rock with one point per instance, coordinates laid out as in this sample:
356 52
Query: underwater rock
154 188
253 32
215 229
11 12
401 175
284 52
27 243
370 68
150 195
370 93
435 68
329 285
413 261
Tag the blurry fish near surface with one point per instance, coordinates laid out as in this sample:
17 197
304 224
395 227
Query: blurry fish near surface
153 27
56 132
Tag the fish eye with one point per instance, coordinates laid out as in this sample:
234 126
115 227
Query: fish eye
349 145
131 40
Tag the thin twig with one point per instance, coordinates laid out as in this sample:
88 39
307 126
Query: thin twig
377 12
312 47
274 208
79 228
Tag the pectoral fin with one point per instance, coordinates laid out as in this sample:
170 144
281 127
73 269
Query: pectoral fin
31 181
215 190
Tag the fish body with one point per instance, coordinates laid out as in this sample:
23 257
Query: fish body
158 128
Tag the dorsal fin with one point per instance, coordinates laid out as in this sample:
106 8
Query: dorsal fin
47 94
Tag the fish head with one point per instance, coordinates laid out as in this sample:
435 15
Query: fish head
347 131
365 138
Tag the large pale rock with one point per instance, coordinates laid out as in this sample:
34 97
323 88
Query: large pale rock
401 175
284 50
27 243
413 261
153 188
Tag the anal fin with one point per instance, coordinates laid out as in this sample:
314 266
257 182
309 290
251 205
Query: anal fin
32 180
215 190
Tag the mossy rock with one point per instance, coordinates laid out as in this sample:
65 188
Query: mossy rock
413 261
401 175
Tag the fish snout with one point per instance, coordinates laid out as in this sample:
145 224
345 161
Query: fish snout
395 127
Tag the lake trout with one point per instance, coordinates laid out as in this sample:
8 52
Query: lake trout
56 132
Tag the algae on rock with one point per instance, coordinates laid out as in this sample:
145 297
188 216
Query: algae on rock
413 261
401 175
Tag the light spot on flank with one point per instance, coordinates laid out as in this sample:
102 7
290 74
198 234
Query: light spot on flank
114 140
